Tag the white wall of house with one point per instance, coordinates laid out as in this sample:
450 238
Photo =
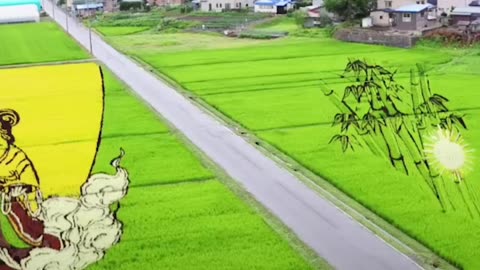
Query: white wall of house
265 9
393 4
446 5
380 18
222 5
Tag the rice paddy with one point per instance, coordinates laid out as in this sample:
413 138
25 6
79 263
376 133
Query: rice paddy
272 89
33 43
177 215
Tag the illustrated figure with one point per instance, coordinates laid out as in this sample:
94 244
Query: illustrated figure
20 193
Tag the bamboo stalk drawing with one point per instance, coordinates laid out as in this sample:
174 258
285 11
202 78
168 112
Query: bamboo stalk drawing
393 121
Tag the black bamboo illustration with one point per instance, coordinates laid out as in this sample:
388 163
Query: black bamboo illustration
392 121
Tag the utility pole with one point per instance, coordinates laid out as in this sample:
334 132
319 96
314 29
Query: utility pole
90 28
66 18
53 9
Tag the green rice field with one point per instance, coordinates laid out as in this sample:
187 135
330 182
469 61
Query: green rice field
176 214
179 212
272 89
33 43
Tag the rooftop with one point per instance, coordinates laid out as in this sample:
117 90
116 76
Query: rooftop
273 2
465 10
415 8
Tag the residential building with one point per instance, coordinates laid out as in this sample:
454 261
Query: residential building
415 17
85 7
393 4
465 15
273 6
447 6
223 5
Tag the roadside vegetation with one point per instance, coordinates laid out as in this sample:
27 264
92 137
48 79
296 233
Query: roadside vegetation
179 212
272 90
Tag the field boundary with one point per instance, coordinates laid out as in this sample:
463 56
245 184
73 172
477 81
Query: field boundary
54 63
391 234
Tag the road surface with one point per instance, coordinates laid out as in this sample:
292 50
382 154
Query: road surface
334 235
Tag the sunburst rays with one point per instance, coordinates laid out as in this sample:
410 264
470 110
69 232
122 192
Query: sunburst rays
449 154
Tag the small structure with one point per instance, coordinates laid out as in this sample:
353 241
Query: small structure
85 10
415 17
467 14
8 3
273 6
382 18
19 14
367 22
224 5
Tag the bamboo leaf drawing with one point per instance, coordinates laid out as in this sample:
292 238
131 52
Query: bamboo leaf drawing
392 121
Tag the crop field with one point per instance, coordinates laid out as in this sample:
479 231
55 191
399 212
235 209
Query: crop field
177 214
273 90
196 223
32 43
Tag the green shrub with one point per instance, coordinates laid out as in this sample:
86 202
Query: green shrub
262 34
172 25
300 17
131 5
310 33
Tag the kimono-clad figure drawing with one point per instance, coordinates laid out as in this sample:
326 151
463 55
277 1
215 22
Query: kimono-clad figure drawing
20 194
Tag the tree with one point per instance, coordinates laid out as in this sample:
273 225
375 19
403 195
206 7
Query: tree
350 9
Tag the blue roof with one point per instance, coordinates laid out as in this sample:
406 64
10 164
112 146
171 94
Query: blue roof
4 3
415 8
273 2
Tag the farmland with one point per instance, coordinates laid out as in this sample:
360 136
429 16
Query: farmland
32 43
272 89
179 212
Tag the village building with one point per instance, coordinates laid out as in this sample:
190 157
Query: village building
465 15
447 6
273 6
224 5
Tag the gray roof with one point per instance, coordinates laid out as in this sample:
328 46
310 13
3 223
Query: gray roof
465 11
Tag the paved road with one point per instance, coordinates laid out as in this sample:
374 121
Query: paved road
335 236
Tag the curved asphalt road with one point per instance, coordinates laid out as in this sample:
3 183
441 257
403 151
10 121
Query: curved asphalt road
343 242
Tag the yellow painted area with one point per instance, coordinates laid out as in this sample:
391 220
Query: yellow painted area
60 110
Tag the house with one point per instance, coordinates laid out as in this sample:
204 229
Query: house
393 4
86 7
314 12
223 5
414 17
273 6
447 6
382 15
85 10
465 14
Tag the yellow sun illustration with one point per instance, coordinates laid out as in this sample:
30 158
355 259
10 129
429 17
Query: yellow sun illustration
448 153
